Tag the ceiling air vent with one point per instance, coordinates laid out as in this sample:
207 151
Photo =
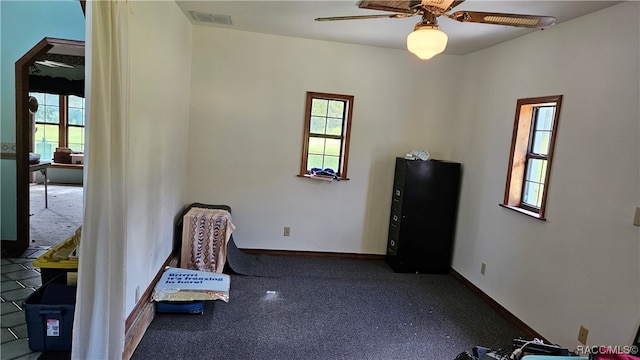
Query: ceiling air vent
211 18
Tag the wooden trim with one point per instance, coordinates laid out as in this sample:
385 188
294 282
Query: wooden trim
143 313
534 215
314 254
528 331
305 134
345 137
23 136
23 132
63 120
520 142
11 248
67 166
552 144
320 177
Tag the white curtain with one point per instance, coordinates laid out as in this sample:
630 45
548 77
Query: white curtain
99 323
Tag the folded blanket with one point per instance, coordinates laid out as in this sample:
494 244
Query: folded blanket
205 234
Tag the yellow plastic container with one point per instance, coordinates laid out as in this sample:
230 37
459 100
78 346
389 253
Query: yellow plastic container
59 259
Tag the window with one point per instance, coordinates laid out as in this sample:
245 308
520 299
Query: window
534 134
326 133
59 123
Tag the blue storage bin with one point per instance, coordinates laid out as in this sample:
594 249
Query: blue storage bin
185 307
49 315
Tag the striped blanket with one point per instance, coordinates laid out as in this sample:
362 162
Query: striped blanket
205 233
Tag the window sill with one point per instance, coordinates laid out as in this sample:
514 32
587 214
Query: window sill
523 211
66 166
320 177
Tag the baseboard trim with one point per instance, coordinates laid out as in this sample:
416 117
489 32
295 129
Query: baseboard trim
143 313
528 331
314 254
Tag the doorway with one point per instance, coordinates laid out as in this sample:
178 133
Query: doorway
63 55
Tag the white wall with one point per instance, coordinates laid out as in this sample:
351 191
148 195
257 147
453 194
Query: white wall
580 267
160 53
248 100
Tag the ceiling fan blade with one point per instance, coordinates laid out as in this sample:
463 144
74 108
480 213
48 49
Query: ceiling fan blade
528 21
455 4
399 6
409 6
359 17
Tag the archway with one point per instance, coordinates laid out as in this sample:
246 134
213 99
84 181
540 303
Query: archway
43 50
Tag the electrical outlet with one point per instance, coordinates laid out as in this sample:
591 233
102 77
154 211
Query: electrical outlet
483 268
582 335
137 294
287 231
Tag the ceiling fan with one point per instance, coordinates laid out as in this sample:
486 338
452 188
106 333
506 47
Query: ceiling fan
427 40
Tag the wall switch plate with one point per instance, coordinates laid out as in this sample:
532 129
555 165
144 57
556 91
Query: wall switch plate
483 268
287 231
636 218
582 335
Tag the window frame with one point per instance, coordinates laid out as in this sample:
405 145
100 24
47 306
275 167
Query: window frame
521 151
63 120
344 138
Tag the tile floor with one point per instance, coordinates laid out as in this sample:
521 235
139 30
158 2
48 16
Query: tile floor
19 280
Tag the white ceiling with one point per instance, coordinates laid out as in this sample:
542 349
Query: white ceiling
296 18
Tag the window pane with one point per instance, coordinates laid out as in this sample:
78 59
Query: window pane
76 138
51 114
332 147
51 99
76 102
314 161
331 162
318 125
336 109
316 145
544 120
532 194
39 97
534 182
319 107
334 126
541 142
76 116
536 169
46 140
40 117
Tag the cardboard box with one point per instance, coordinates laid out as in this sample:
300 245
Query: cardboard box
62 157
77 158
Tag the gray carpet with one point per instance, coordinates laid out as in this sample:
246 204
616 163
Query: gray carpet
325 308
52 225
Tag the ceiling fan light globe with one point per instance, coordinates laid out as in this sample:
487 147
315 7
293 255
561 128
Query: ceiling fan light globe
426 43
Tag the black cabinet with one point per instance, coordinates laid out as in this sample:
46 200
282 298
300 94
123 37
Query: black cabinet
423 215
